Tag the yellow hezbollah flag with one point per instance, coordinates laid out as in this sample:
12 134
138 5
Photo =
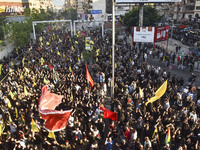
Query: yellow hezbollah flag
34 126
12 64
42 60
92 42
40 39
22 118
63 54
79 59
11 94
72 48
70 68
26 69
46 81
2 127
23 61
115 65
21 76
60 40
81 55
51 50
0 68
51 61
51 135
155 131
16 112
141 92
25 91
76 42
9 104
159 93
97 59
47 43
58 53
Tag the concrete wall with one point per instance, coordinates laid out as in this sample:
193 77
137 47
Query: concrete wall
6 51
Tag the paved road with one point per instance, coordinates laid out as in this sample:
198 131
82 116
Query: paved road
185 73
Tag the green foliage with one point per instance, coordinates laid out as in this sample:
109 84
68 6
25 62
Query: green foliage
87 55
150 17
21 33
70 13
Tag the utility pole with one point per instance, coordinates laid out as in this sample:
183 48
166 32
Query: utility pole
113 50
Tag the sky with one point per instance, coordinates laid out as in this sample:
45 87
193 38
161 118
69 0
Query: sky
58 2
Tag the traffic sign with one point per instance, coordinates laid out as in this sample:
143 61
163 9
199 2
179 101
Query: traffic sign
170 67
95 11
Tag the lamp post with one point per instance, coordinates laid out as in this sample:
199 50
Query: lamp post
113 49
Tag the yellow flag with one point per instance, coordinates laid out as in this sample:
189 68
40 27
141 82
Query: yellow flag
21 76
81 55
40 39
162 89
42 60
34 126
63 54
110 56
115 65
23 61
11 94
46 81
10 119
26 69
22 118
47 43
34 84
117 48
25 91
9 104
92 42
72 48
58 53
97 59
76 42
60 40
2 127
155 131
159 93
72 96
51 61
51 50
12 64
70 68
0 68
16 113
141 92
51 135
79 59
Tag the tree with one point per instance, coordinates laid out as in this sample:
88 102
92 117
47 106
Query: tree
150 17
1 28
70 13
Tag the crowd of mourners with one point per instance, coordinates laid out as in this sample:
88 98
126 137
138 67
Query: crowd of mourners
178 110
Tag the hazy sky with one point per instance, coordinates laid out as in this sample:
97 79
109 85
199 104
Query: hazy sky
58 2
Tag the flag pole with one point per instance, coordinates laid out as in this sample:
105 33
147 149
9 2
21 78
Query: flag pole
113 49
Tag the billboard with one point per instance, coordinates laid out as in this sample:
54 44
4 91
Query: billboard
13 8
146 1
161 33
87 43
143 34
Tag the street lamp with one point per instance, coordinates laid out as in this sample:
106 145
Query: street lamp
113 49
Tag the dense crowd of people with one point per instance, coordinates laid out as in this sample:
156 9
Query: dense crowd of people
135 129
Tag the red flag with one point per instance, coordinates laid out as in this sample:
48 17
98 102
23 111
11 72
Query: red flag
89 78
83 33
108 114
44 63
49 27
54 120
50 66
39 49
